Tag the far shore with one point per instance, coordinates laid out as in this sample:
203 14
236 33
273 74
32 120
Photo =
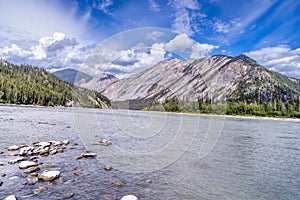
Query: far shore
176 113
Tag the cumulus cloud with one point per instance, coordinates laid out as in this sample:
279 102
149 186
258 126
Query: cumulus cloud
185 46
281 59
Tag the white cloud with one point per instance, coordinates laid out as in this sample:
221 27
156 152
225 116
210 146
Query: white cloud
105 6
187 47
155 35
281 59
184 15
154 6
41 18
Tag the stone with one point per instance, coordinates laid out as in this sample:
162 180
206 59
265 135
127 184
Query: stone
31 169
117 184
1 183
34 174
11 197
42 144
105 142
56 143
53 151
48 165
16 160
13 154
1 163
78 173
65 142
3 175
39 190
13 178
88 155
27 164
26 151
49 175
69 181
13 148
69 195
1 152
108 168
31 180
129 197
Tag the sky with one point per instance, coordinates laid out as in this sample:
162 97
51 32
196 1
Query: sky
124 37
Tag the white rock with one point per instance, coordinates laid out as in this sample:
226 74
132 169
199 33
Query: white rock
13 148
26 164
49 175
43 144
129 197
1 163
65 142
11 197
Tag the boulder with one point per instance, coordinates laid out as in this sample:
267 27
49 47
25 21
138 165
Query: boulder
49 175
27 164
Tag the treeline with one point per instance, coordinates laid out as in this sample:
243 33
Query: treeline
26 84
268 109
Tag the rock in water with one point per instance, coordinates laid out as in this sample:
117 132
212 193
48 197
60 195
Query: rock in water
27 164
31 169
129 197
13 148
31 180
11 197
49 175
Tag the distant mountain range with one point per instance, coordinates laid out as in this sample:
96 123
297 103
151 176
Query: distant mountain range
26 84
85 80
217 78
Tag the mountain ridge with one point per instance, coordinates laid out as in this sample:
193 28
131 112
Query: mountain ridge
218 78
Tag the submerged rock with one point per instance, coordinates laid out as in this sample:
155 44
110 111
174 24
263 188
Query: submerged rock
16 160
27 164
129 197
39 190
31 180
49 175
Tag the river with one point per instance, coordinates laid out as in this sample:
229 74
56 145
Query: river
155 155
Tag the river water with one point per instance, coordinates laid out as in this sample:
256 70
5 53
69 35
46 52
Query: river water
155 155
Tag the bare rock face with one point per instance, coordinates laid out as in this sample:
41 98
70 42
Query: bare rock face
214 77
100 83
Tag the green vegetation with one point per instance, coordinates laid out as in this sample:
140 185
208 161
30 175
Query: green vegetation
268 109
26 84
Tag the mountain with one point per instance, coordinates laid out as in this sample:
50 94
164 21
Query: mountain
100 83
73 76
217 78
25 84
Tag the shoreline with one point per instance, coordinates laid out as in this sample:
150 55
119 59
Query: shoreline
176 113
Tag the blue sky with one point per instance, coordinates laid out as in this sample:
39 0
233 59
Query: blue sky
124 37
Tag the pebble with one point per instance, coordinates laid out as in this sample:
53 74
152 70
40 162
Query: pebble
27 164
11 197
65 142
117 184
1 183
1 163
105 142
69 195
108 168
16 160
49 175
87 155
129 197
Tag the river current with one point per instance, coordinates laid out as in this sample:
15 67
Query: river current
154 155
